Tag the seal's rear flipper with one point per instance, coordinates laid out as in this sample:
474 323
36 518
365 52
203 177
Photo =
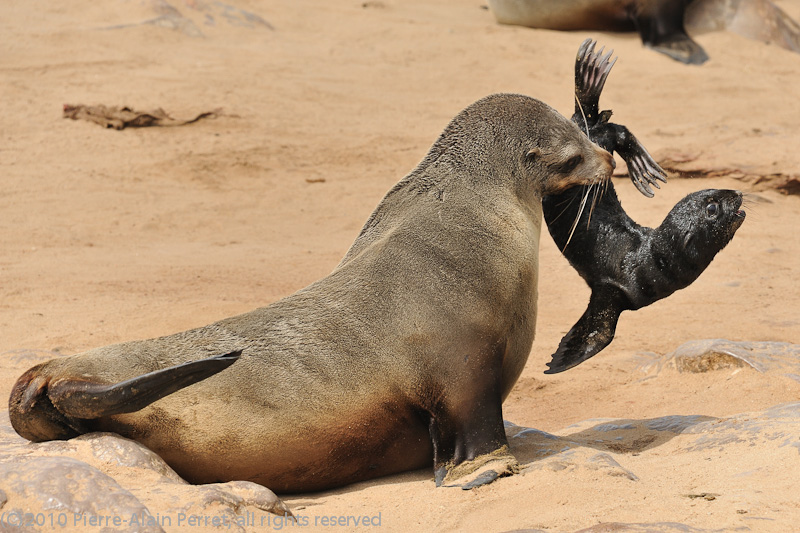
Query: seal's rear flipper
660 25
681 48
83 399
591 70
590 334
41 409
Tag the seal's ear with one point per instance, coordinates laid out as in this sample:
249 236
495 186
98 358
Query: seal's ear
687 238
533 154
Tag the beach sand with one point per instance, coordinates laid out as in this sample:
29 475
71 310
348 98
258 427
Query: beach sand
110 236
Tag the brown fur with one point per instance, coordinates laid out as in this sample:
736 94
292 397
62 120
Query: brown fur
403 354
660 23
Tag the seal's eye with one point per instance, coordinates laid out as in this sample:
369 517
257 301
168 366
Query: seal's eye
570 165
712 208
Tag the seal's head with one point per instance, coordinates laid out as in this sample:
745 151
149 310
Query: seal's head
707 219
510 139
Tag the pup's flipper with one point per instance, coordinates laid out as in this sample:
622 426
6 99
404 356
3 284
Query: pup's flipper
591 333
591 70
643 169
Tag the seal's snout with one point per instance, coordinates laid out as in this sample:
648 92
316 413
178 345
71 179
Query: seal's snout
607 163
736 206
739 212
613 163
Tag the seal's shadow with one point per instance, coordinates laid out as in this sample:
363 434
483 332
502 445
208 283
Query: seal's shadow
627 436
538 449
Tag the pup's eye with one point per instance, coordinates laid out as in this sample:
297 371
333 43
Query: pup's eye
712 208
570 165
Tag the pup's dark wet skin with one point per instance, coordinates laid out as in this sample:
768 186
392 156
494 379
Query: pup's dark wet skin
626 265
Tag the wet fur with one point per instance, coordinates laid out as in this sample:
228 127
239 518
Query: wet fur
627 266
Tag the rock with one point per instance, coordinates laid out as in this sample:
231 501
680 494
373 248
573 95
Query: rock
713 354
103 480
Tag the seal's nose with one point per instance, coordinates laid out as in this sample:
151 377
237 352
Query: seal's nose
608 158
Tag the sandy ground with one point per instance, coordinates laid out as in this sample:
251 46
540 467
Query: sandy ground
117 235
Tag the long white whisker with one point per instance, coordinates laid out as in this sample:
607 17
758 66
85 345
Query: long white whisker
594 203
568 204
577 218
585 122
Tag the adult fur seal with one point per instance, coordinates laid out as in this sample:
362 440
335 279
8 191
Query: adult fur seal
402 356
627 266
661 24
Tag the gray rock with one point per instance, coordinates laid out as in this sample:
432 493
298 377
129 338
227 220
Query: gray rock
713 354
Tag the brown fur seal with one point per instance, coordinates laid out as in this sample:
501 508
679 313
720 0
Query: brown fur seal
400 358
626 265
660 23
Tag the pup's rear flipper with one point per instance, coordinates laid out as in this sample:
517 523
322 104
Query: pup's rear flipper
41 410
591 70
590 334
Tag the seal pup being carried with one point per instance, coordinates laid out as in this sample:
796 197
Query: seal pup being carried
626 265
400 358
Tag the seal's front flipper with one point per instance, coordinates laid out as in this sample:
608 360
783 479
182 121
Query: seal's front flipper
591 70
470 446
643 169
474 456
482 470
87 400
591 333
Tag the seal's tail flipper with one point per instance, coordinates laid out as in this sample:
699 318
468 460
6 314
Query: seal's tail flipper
590 334
591 70
41 410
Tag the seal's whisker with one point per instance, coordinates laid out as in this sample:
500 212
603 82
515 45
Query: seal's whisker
597 192
577 217
566 205
751 202
585 122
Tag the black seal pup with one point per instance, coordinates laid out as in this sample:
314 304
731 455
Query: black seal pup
626 265
400 358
